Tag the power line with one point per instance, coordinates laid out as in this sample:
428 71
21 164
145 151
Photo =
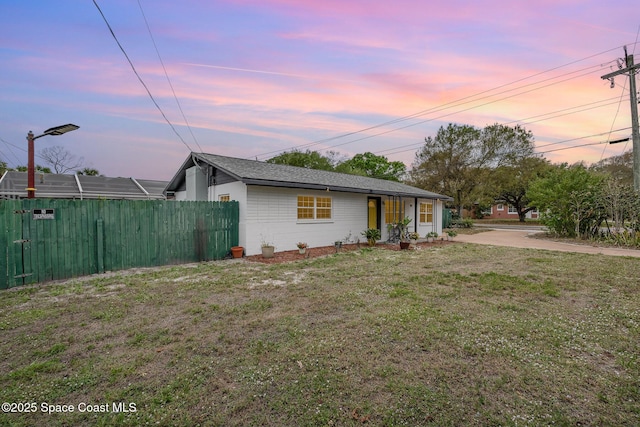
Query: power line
455 103
546 145
167 76
10 150
576 146
566 111
416 145
138 75
634 51
18 161
583 137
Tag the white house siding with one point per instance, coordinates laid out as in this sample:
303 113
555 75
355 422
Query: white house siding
435 225
272 215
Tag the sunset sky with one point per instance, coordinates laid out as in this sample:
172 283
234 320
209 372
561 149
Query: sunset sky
254 78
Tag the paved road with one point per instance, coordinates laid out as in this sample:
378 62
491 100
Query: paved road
520 239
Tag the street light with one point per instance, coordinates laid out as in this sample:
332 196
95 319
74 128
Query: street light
58 130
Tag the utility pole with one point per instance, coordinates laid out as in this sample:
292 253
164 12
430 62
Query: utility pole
635 133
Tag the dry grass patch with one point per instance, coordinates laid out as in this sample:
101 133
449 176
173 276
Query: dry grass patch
451 335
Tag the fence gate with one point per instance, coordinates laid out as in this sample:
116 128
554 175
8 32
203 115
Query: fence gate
21 242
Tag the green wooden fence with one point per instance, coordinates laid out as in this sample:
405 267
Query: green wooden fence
52 239
446 218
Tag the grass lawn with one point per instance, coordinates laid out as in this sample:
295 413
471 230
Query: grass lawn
453 335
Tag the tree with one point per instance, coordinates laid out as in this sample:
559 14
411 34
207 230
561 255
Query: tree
60 159
459 159
619 167
570 200
37 168
307 159
88 172
512 182
375 166
3 168
367 164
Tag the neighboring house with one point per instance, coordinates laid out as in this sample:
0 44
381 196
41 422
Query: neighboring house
13 185
283 205
506 211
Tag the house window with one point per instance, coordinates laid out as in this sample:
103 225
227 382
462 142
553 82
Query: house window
500 207
513 210
392 211
323 207
310 207
426 212
224 198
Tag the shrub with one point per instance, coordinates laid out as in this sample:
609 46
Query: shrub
462 223
372 235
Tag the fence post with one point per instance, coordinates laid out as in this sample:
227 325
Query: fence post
100 244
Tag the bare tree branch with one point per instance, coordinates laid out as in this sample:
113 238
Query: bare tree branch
60 159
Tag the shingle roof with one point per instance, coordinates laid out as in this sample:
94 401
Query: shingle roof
254 172
13 185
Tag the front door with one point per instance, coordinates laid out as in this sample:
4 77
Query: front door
373 212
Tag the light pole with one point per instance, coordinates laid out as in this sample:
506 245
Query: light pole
58 130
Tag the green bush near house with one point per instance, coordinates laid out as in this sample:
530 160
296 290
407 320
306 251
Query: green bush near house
372 235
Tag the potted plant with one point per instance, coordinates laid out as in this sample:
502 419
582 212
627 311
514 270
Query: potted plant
431 236
404 232
267 249
372 235
413 238
451 234
302 247
236 251
338 245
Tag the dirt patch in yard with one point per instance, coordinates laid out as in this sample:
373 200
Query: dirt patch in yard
295 255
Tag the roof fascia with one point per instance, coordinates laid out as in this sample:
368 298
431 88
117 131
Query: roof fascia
267 183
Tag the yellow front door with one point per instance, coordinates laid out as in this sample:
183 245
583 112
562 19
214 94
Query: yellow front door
373 213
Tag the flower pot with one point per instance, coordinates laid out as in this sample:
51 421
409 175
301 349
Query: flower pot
267 251
404 245
236 251
302 250
430 239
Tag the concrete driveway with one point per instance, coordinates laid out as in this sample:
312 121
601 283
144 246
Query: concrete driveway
518 238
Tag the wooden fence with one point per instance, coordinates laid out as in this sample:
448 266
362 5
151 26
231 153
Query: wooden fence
52 239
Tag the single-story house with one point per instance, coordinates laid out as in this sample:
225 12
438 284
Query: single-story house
13 185
283 205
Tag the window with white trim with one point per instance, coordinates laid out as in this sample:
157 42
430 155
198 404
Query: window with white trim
314 208
426 212
500 207
224 198
513 210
